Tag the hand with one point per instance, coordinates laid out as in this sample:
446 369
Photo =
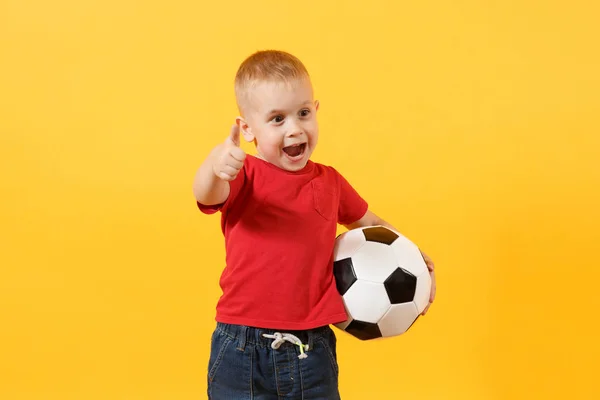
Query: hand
432 274
229 157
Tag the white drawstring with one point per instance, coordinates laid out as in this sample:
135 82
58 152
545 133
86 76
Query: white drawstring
283 337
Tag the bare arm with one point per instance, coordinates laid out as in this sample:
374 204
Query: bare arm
209 189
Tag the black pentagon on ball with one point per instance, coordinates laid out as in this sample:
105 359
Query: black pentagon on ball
400 286
380 234
344 274
363 330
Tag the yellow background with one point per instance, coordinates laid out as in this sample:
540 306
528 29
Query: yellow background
472 126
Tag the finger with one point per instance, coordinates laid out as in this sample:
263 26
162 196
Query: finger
433 288
225 176
233 163
238 153
229 170
428 261
431 297
234 135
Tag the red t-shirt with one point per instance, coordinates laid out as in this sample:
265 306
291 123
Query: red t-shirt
280 230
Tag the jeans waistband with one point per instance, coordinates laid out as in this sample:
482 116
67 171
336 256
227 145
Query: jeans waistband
252 335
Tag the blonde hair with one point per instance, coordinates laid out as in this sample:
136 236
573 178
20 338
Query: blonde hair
266 65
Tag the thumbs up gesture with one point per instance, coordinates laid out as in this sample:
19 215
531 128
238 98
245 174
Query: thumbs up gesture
229 157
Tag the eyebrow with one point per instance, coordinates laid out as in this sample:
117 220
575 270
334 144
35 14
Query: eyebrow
275 111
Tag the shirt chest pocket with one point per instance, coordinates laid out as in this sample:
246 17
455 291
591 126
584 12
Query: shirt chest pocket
324 200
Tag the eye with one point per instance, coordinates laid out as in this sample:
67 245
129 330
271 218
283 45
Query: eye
304 112
277 119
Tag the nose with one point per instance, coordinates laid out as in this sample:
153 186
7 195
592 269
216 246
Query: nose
295 129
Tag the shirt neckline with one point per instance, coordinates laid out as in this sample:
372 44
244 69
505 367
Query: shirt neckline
307 168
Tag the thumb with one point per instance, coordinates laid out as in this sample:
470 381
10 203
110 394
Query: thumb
234 135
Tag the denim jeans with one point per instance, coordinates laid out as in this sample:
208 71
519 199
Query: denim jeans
243 365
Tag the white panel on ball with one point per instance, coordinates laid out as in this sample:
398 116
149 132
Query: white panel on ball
409 256
367 300
398 319
422 291
374 262
348 243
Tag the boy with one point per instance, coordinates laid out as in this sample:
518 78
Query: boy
279 214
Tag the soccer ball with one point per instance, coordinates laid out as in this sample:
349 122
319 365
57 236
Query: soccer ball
383 280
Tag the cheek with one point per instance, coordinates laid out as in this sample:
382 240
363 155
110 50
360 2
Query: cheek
313 127
270 143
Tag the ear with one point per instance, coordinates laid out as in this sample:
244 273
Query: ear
317 105
245 129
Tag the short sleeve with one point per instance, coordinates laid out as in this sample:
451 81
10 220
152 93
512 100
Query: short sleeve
352 206
235 186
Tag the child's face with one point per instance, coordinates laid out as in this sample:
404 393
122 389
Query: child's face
281 119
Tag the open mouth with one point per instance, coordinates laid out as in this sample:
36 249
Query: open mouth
296 150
